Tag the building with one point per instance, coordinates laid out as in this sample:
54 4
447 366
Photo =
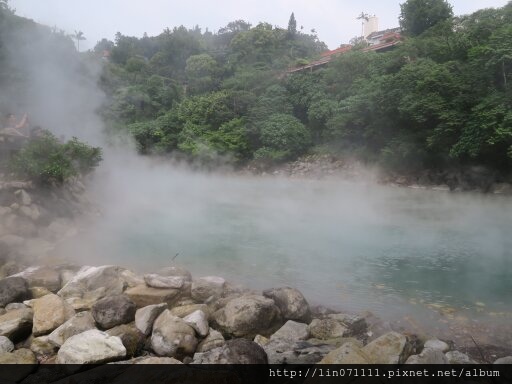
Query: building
370 25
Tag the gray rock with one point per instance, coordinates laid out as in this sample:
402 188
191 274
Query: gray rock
13 289
212 341
113 310
187 309
145 317
237 351
348 353
157 281
356 325
284 351
390 348
436 344
6 345
50 311
199 321
428 356
456 357
91 347
81 322
41 277
325 329
247 316
207 288
292 330
504 360
16 324
11 306
291 303
172 337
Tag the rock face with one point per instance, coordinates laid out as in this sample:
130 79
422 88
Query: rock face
207 288
291 303
172 337
81 322
428 356
391 348
13 289
292 330
247 316
145 317
143 295
213 340
238 351
113 310
50 311
157 281
41 277
199 321
93 283
6 345
17 323
91 347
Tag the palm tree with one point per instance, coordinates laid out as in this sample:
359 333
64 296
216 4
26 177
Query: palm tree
79 36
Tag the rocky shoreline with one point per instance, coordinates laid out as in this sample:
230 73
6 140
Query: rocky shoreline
93 315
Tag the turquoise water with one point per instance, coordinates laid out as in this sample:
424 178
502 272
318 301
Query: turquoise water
350 246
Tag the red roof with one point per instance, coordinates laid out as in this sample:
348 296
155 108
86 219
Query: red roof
342 49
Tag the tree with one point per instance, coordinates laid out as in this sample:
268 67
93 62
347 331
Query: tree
416 16
292 26
78 36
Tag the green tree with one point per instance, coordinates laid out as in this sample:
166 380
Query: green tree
416 16
292 26
202 73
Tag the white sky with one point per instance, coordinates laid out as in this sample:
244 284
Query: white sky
334 20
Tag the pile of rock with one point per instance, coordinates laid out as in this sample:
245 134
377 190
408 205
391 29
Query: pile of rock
86 315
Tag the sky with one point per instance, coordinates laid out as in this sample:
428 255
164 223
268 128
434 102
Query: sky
335 21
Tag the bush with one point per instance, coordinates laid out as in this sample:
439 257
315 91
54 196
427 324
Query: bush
46 160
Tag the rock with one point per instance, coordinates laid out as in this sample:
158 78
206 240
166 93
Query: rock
237 351
247 316
292 330
132 338
13 289
158 360
390 348
504 360
23 197
356 325
41 277
185 310
456 357
348 353
42 346
325 329
428 356
199 321
6 345
157 281
145 317
25 363
113 310
9 268
11 306
436 344
38 292
172 337
50 311
213 340
178 272
16 324
502 188
32 212
91 347
131 279
291 303
81 322
93 283
143 296
207 288
284 351
261 340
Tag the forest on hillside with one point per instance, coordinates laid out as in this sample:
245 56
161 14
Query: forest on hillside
441 99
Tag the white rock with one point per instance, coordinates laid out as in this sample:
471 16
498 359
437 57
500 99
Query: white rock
145 317
6 345
91 347
199 321
437 344
157 281
81 322
292 330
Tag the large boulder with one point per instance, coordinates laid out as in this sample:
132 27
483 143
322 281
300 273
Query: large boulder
113 310
237 351
132 338
16 324
44 277
81 322
199 321
428 356
390 348
145 317
91 347
143 295
91 284
291 302
247 316
50 311
158 281
292 330
13 289
207 288
172 337
212 341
